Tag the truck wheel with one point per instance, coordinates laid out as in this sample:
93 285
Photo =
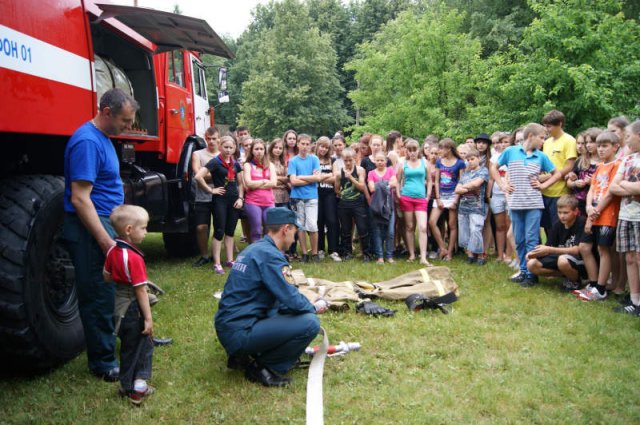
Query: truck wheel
181 245
39 320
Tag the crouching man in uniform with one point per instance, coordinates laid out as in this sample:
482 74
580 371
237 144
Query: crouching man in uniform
263 322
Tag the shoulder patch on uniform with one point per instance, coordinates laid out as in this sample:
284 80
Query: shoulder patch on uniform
286 273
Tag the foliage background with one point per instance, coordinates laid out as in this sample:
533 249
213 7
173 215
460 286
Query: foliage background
450 67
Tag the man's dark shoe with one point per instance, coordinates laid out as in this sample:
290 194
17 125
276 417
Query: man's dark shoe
304 258
347 257
366 258
529 281
316 259
110 375
159 342
519 278
262 375
202 261
238 361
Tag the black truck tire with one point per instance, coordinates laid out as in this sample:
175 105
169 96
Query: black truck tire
181 245
39 320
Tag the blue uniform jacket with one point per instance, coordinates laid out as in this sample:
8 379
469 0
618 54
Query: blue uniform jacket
256 289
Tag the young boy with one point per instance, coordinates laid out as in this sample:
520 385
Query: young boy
626 183
304 175
560 147
125 266
561 255
602 212
524 164
472 209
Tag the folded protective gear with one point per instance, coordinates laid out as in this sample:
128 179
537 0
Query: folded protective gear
371 308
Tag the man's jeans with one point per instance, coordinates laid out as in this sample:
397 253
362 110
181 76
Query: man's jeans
526 231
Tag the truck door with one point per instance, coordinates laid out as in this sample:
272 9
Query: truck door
179 103
200 101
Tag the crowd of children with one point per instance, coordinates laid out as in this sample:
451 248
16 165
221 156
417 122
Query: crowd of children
491 191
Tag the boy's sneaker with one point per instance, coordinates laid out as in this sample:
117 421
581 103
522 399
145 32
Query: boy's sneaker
335 257
578 292
481 261
570 285
518 278
347 257
592 295
304 258
470 260
631 309
529 281
316 258
136 397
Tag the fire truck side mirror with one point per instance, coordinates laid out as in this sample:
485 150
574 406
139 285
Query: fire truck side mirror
223 96
222 78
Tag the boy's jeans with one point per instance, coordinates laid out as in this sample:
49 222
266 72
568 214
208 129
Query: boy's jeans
470 232
526 231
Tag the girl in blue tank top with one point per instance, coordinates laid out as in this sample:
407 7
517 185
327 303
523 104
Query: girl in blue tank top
413 191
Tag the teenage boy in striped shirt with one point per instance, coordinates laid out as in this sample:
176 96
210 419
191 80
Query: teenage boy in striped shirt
524 164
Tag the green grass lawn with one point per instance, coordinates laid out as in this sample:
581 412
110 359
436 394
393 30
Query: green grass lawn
505 355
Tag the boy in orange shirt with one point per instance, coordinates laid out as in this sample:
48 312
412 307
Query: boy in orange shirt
602 211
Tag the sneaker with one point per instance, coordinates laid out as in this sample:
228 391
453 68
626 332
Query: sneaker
481 261
631 309
518 278
316 258
380 261
592 295
304 258
229 263
390 260
321 254
347 257
584 290
218 269
202 261
529 281
515 264
470 260
335 257
433 255
366 258
570 286
136 397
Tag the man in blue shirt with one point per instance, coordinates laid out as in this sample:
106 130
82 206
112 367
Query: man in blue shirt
263 322
92 189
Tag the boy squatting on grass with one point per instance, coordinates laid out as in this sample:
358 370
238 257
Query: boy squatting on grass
602 212
125 266
561 255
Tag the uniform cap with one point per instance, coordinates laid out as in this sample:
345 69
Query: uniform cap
280 215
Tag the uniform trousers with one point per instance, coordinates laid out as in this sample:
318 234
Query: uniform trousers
278 342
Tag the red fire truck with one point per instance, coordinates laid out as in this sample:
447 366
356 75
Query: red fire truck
56 59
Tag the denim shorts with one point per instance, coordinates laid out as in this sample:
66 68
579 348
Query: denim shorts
306 214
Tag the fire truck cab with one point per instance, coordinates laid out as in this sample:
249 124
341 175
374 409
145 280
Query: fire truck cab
56 59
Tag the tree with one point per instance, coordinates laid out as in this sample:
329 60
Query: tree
418 75
581 57
292 80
